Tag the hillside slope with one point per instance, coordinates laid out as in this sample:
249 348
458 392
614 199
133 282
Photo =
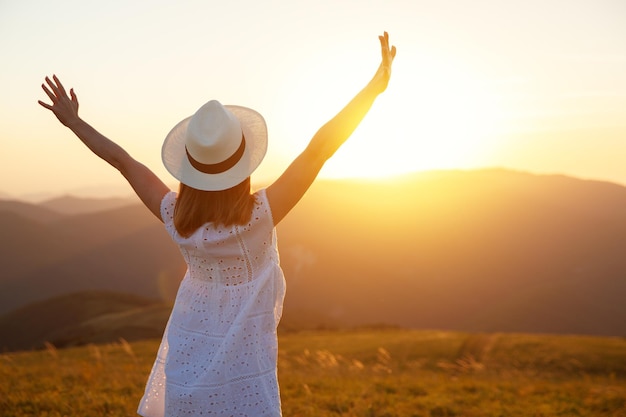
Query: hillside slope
488 250
479 251
81 318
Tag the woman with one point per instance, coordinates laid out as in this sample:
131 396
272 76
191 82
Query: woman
218 355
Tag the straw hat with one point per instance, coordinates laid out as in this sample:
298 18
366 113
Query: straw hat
216 148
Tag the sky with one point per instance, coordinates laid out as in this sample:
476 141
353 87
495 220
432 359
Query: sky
537 86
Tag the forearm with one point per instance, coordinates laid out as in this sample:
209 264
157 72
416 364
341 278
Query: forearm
285 192
336 131
98 143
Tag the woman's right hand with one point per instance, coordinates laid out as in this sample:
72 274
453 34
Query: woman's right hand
64 108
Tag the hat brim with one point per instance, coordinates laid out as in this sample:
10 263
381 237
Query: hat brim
175 159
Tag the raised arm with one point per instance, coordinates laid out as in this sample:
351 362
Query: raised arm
146 184
289 188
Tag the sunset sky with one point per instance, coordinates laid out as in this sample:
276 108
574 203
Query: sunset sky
533 85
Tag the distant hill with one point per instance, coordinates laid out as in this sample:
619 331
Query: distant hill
79 205
489 250
121 250
29 211
485 250
81 318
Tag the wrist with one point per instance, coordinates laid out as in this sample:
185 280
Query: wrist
73 123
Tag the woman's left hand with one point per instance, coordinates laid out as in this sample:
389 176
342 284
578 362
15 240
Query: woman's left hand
383 74
64 108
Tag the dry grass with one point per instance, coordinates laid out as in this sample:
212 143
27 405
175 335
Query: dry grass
380 373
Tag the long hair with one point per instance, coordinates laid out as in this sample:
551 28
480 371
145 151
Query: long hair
229 207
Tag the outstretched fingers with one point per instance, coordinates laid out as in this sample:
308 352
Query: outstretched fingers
64 107
384 42
55 86
59 86
49 93
56 92
74 98
387 54
46 105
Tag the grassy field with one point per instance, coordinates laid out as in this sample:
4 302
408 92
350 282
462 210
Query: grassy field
368 373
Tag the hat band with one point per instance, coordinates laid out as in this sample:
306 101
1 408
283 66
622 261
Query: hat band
220 167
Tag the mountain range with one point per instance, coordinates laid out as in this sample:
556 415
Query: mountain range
484 250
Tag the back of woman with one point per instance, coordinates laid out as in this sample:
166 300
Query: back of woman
226 312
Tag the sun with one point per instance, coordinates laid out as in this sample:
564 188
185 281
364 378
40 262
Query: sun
438 118
434 115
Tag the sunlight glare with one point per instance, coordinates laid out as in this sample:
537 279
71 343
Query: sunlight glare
434 115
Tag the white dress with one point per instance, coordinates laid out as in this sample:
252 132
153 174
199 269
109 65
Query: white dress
219 351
